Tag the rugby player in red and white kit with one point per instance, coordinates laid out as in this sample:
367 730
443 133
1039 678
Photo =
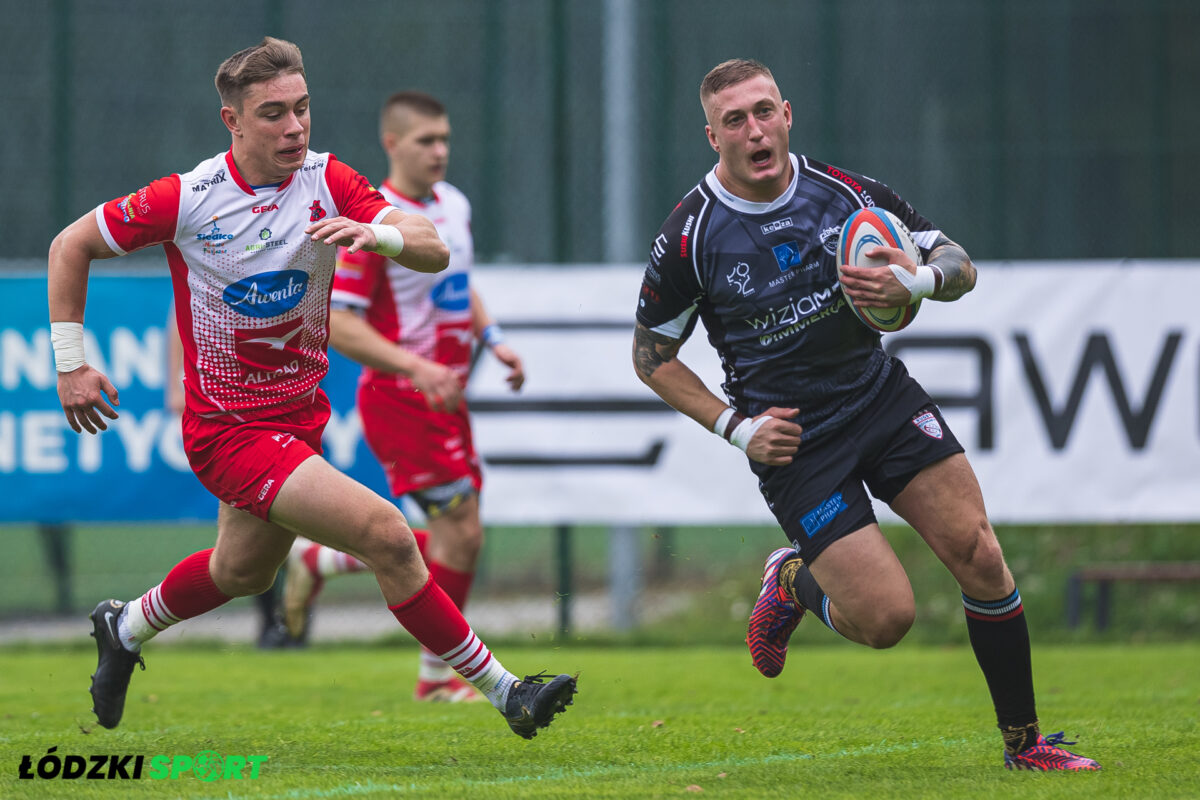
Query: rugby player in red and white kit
250 237
414 333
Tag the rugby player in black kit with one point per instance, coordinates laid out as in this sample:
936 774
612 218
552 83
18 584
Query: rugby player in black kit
822 412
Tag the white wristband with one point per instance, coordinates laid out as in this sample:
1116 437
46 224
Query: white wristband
920 286
389 241
67 340
745 431
723 422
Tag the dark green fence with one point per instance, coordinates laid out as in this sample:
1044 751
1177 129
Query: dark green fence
1026 129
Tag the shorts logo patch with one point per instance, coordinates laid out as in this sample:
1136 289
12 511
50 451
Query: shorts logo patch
823 514
928 424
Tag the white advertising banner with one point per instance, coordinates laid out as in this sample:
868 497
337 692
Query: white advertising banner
1075 388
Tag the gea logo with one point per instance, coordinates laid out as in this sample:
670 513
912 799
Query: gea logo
264 209
267 294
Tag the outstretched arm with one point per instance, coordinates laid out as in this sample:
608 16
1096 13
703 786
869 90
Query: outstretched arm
408 239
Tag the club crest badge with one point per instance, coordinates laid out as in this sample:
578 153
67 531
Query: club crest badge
928 424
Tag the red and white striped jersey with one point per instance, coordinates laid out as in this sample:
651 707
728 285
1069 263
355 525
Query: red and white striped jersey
251 288
428 314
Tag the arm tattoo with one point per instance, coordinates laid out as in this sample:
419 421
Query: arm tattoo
651 350
958 273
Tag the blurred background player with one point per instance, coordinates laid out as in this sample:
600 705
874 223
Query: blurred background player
251 236
816 403
415 335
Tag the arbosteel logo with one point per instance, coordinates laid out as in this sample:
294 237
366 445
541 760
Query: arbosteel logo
207 765
267 294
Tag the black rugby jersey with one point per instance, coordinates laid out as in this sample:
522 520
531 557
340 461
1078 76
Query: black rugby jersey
763 278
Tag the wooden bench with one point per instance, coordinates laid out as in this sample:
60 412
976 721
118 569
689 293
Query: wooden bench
1104 575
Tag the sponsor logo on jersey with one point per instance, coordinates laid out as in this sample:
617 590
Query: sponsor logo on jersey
853 183
452 294
928 424
787 255
315 212
829 239
739 276
312 166
264 209
214 235
207 183
658 249
267 294
683 237
268 354
793 310
823 514
777 225
264 242
128 212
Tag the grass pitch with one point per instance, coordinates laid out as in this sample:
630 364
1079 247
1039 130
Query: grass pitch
649 722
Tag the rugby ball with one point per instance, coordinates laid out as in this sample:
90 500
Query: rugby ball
865 229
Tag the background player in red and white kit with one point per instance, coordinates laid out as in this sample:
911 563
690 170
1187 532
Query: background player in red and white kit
415 335
821 410
250 237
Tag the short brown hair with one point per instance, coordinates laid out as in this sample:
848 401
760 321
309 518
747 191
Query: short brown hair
730 73
266 60
399 105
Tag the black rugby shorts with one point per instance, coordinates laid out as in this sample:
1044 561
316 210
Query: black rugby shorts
822 495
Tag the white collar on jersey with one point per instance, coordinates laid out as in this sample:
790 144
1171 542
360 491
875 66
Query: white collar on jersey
748 207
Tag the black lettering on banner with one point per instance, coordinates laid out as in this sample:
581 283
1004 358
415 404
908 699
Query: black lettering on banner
981 401
1098 353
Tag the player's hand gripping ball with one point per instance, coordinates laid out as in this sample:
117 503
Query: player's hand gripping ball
876 227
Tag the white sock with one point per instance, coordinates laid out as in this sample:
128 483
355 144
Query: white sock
143 619
334 562
433 668
474 661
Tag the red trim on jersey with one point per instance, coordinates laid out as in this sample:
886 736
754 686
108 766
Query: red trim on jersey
237 176
146 217
391 187
353 194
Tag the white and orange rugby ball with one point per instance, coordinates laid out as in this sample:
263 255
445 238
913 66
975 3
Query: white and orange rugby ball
876 227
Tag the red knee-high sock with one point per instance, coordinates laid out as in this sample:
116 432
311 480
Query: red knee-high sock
456 584
187 591
432 618
422 537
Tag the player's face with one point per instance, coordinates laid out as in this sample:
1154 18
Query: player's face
420 153
270 134
748 126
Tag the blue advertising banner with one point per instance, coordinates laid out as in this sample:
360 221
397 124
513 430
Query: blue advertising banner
136 470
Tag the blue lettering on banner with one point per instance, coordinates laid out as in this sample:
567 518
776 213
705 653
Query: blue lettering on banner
787 255
452 294
823 514
136 470
267 294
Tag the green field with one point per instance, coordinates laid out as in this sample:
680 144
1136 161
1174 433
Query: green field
842 721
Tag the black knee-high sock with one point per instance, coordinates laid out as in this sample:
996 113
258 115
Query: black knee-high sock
805 590
1000 638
